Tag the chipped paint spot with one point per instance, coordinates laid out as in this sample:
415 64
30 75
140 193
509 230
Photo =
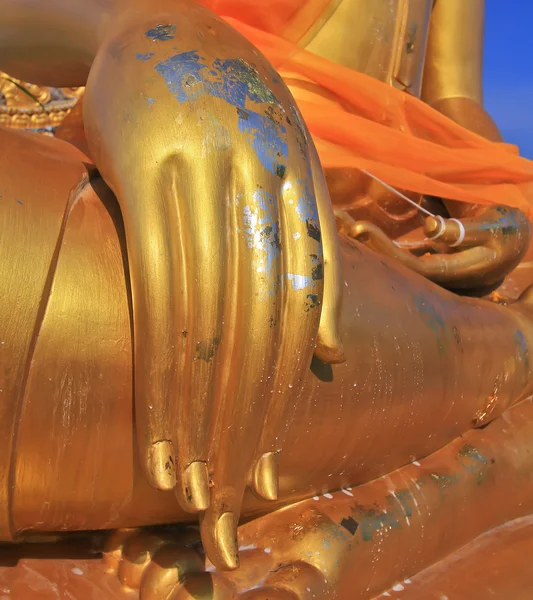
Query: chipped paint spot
328 496
161 33
144 57
150 101
299 282
205 350
350 524
312 301
398 587
313 231
318 272
261 228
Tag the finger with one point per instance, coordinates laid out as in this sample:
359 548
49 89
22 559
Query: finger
303 291
248 362
156 267
129 156
203 195
329 347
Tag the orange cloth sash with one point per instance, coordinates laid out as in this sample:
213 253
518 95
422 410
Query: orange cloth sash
361 123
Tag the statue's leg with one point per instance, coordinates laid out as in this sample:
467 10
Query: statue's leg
357 542
495 565
423 366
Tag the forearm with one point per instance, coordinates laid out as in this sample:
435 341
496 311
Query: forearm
454 65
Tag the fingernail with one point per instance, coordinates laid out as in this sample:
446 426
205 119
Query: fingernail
161 465
226 542
196 486
329 349
266 476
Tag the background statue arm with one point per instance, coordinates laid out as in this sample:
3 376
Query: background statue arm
454 65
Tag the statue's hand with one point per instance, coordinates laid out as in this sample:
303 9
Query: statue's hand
479 252
229 236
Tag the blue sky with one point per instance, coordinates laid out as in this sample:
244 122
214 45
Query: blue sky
508 69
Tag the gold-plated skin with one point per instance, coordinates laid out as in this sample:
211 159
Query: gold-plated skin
177 349
396 326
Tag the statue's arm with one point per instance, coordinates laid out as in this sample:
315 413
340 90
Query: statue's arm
454 65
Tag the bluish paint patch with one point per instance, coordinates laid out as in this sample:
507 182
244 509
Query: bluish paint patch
471 459
144 57
371 520
405 499
150 101
19 202
268 227
266 142
507 223
261 232
188 77
444 482
161 33
299 282
306 208
434 321
520 341
231 80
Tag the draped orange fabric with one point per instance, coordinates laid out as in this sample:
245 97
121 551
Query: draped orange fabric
361 123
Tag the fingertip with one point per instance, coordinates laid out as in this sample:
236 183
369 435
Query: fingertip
195 494
219 538
161 465
329 348
265 478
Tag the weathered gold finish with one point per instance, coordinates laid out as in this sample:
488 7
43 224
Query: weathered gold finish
273 359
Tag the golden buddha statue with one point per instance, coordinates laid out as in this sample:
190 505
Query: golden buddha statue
188 339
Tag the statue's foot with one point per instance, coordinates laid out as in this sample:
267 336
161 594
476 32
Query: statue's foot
352 543
165 564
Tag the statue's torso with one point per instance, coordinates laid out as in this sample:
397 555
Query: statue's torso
385 39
